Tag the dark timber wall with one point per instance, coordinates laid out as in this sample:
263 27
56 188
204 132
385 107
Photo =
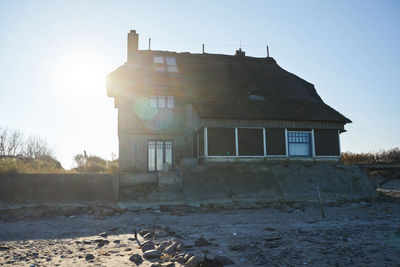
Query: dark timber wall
326 143
276 143
221 141
250 142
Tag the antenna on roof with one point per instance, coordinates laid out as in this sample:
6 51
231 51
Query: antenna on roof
149 42
203 48
240 43
267 51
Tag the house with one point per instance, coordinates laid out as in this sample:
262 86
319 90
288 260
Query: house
211 107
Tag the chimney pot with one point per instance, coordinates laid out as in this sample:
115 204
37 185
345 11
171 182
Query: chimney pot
240 53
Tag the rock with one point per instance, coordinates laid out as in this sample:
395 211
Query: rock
148 235
151 254
192 261
202 242
136 258
144 232
103 234
162 246
180 247
148 246
87 242
269 229
223 260
116 241
169 264
89 257
186 257
171 249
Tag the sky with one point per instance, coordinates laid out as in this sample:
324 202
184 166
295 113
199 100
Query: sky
55 55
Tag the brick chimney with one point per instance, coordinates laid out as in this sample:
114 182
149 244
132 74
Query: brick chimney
133 45
240 53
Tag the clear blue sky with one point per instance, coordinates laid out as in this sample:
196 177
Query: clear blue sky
55 55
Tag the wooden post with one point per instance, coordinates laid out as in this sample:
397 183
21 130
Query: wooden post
320 202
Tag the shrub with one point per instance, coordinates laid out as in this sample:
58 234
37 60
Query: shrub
390 156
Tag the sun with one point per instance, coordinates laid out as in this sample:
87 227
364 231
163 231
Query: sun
81 73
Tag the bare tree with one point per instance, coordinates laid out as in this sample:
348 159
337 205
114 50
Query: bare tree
11 142
3 141
36 147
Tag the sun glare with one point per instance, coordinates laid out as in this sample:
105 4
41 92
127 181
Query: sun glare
81 73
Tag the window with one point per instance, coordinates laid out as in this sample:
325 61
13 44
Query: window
299 144
162 101
171 61
160 65
256 97
158 60
170 101
153 101
159 153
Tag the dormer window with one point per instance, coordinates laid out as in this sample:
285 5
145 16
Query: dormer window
257 95
168 64
162 101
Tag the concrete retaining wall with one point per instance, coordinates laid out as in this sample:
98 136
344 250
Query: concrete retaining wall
57 188
210 182
276 181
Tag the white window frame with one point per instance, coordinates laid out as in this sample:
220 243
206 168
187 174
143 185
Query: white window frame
162 64
157 100
158 60
288 143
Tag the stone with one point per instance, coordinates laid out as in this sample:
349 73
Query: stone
89 257
103 234
193 261
180 247
148 235
162 246
171 249
151 254
148 246
136 258
269 229
144 232
202 242
223 260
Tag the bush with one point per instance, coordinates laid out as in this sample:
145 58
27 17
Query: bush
10 164
95 164
391 156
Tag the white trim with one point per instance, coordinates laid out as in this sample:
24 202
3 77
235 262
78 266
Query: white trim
264 143
236 142
312 143
340 149
205 142
286 143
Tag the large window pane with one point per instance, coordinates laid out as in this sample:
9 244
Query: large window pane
160 155
168 152
161 101
151 155
299 144
170 101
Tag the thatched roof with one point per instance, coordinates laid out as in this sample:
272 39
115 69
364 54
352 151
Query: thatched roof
219 86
